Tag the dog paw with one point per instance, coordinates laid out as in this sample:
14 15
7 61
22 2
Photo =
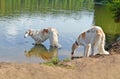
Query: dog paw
59 46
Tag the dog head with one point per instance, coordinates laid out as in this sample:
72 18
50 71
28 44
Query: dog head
28 33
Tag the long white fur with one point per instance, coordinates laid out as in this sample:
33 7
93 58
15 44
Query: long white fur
93 41
43 34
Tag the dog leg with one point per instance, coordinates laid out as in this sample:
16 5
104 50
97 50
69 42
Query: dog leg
54 39
95 49
37 42
92 47
96 44
102 49
87 50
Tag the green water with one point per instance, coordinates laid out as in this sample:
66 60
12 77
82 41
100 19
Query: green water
104 17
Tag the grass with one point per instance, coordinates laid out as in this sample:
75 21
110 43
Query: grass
53 62
56 62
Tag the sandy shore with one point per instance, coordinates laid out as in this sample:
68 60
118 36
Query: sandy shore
103 67
97 67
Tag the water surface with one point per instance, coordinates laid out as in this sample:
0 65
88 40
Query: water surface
69 17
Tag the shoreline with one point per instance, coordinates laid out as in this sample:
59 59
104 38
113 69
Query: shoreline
95 67
106 67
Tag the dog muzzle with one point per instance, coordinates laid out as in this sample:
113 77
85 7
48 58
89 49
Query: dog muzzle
26 35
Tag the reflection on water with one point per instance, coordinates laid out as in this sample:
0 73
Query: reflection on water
16 7
42 52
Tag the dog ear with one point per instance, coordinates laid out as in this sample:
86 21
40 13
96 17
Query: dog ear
45 30
30 32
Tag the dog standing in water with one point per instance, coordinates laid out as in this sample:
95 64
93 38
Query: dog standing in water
42 35
93 41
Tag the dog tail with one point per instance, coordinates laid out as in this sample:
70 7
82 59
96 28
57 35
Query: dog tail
102 44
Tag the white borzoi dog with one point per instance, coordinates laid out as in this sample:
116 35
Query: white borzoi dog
43 34
93 41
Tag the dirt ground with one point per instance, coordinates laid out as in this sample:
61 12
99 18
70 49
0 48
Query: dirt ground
97 67
103 67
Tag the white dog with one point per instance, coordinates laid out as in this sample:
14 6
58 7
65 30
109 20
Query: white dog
92 40
42 35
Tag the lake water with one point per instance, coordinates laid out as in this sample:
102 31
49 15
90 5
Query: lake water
69 17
